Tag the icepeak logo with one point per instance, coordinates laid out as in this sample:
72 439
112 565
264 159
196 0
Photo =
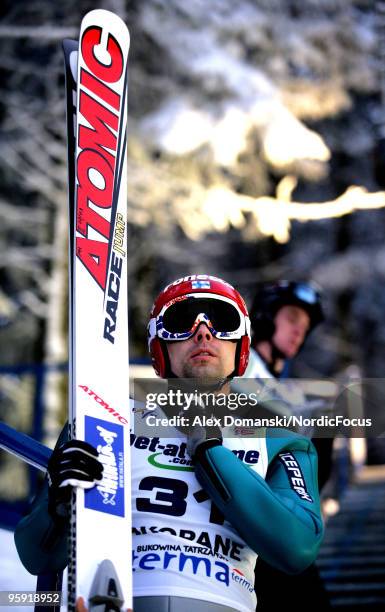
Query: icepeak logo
296 478
107 438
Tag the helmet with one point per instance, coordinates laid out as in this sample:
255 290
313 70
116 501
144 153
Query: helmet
270 297
184 304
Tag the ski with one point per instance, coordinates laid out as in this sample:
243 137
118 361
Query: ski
99 572
24 447
70 50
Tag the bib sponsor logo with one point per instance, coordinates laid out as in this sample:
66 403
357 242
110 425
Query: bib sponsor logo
184 563
181 464
174 457
163 456
107 438
239 577
175 559
203 542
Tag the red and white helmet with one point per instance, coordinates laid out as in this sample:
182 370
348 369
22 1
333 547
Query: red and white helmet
184 304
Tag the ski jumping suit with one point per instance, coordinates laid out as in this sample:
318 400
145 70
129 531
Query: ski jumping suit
197 530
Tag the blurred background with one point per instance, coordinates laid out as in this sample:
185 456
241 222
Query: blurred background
256 151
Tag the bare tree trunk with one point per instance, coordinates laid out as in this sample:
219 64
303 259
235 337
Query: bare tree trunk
56 345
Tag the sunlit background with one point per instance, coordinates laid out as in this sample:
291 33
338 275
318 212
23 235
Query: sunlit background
255 152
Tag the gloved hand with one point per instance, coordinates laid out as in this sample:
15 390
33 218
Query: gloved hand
194 420
202 430
75 464
199 438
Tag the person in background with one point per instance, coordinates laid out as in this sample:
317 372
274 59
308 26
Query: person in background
282 316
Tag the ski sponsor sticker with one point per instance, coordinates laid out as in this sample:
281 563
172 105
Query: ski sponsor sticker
107 438
99 400
100 164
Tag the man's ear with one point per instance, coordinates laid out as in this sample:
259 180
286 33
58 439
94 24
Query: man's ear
157 357
242 355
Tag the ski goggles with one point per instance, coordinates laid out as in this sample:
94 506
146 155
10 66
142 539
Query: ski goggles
179 319
306 293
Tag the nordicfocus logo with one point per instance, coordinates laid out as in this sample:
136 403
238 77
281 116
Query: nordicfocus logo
99 163
107 438
174 456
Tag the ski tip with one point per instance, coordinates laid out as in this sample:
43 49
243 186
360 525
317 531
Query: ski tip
108 19
106 589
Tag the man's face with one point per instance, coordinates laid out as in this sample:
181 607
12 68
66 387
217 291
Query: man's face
291 326
202 356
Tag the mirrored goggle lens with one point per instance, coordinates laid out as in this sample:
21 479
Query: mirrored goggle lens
306 294
180 317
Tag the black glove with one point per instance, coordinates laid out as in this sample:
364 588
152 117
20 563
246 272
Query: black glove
75 464
202 432
201 438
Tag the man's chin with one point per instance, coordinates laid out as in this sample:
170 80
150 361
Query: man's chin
208 384
292 352
288 352
205 372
